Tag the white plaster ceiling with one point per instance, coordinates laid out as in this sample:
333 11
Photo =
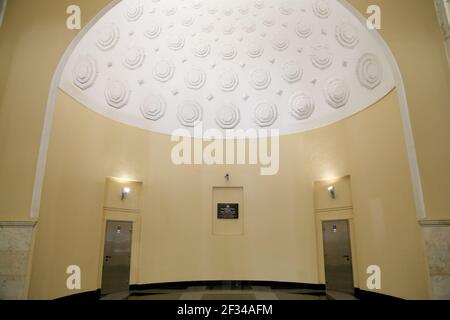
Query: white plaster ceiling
292 65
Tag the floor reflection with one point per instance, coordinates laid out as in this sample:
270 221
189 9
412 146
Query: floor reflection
216 293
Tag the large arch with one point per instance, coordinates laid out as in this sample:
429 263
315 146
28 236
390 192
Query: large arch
41 163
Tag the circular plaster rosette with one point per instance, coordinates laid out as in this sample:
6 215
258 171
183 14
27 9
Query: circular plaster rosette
244 10
280 42
228 81
321 57
195 79
163 71
212 8
322 9
255 50
286 8
153 107
292 72
347 35
85 72
337 93
108 36
176 42
187 20
228 12
228 29
190 113
196 4
260 79
265 114
134 58
228 117
134 12
201 48
117 94
208 27
301 106
269 21
170 8
248 26
228 52
153 31
303 30
370 71
259 4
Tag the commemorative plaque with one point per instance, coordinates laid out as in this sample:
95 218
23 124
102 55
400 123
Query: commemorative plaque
229 211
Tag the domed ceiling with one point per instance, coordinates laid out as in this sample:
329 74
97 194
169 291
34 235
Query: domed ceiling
163 65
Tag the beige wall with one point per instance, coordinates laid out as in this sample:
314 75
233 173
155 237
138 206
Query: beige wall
33 40
412 32
29 35
279 240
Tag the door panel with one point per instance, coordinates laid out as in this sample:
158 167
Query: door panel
117 257
338 256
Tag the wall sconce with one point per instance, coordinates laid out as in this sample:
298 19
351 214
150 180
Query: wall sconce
332 192
125 192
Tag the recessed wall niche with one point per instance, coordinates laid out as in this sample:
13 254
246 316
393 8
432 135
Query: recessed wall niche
228 221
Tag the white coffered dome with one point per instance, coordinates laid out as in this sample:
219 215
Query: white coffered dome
291 65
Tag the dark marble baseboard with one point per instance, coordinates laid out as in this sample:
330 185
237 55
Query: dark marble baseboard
83 296
229 285
369 295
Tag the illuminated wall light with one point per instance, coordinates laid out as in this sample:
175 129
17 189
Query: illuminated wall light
125 192
332 192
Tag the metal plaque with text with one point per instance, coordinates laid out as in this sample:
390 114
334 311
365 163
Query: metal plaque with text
228 211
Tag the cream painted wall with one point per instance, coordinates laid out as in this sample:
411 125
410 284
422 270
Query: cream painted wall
279 241
28 35
410 27
32 41
31 44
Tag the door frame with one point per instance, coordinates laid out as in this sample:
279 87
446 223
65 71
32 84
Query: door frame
343 215
122 216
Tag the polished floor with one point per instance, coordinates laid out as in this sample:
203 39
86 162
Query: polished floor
211 293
